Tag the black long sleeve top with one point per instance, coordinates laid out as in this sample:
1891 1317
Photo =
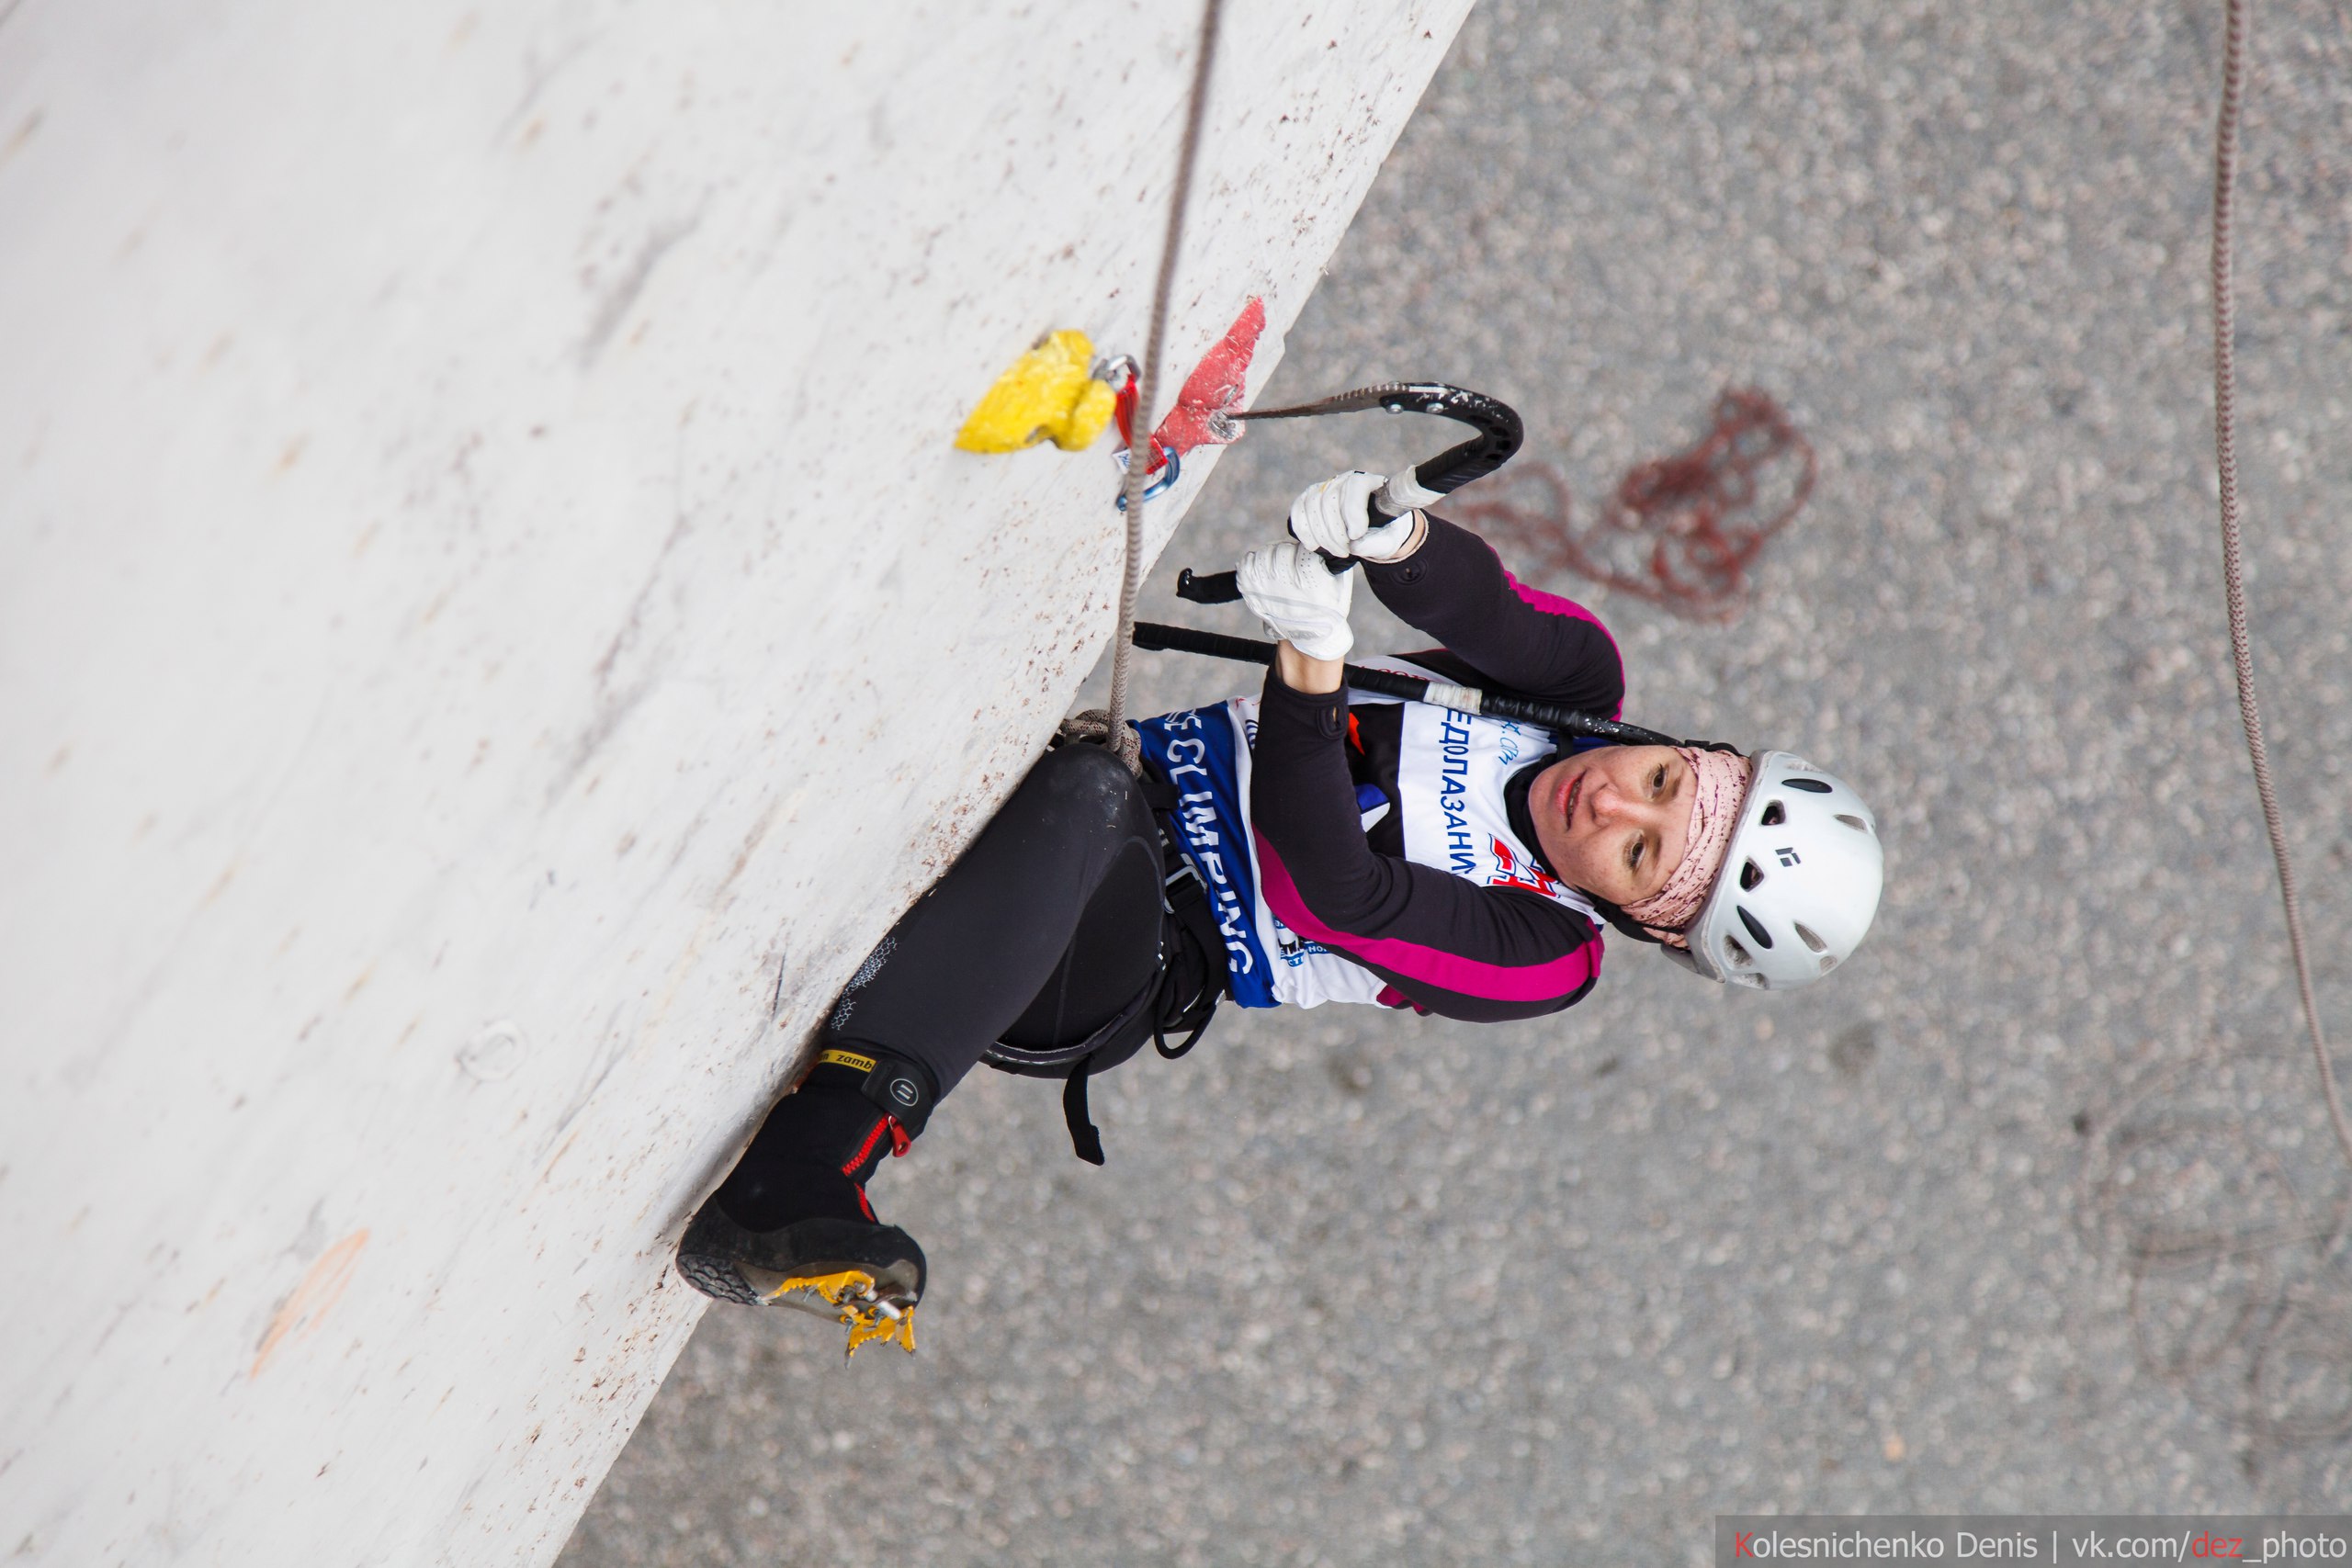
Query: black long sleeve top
1502 943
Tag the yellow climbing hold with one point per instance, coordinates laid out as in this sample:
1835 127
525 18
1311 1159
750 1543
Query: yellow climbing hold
1047 393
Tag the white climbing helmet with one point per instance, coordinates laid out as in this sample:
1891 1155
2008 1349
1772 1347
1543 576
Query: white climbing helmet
1799 885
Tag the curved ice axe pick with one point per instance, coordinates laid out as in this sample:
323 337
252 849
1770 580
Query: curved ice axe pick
1499 436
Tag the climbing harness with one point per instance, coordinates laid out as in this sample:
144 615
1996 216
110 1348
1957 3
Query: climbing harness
2225 164
1183 997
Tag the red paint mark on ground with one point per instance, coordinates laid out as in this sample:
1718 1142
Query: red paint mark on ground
1216 384
1682 530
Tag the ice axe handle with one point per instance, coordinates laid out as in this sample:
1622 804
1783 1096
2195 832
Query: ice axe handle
1499 436
1215 588
1225 587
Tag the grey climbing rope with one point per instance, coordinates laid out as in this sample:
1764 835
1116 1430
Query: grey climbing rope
1124 740
2225 168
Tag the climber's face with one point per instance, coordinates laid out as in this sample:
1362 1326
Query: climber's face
1614 820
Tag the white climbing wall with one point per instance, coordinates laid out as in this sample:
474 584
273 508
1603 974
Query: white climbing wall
491 628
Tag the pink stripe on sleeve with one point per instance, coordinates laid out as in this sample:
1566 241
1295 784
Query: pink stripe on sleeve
1561 976
1552 605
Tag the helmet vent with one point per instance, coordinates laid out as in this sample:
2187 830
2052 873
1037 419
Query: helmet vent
1749 875
1773 816
1740 957
1856 823
1805 934
1811 786
1828 961
1754 926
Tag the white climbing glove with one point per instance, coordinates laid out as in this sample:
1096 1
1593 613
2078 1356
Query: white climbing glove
1335 517
1301 600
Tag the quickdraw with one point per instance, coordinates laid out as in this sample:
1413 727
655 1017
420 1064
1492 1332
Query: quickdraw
1166 465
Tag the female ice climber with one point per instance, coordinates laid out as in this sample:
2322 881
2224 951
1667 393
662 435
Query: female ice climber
1303 846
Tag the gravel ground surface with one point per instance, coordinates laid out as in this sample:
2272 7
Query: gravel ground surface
2014 1213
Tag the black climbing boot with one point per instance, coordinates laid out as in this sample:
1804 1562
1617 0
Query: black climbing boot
792 1226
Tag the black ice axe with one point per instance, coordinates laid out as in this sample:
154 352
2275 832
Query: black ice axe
1499 436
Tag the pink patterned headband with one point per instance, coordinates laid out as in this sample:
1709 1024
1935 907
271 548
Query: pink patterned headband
1718 789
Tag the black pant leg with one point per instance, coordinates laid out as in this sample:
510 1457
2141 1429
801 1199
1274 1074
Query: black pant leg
1112 957
974 955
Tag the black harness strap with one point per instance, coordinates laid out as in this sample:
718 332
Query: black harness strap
1188 901
1085 1138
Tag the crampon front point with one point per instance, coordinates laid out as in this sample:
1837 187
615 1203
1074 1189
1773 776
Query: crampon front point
850 1297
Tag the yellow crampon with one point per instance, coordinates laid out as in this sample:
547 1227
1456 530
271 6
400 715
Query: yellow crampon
1049 392
872 1325
851 1294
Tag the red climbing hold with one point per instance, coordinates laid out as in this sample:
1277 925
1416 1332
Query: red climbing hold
1217 385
